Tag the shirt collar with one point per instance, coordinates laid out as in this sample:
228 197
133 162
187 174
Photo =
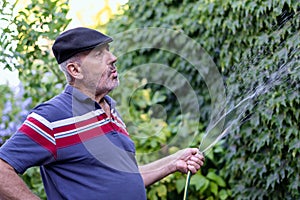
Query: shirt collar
81 97
110 101
76 93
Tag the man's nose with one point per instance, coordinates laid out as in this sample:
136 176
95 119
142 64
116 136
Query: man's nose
114 58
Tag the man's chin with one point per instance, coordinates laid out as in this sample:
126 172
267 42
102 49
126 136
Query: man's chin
115 85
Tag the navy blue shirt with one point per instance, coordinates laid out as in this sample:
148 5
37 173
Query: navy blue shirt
82 153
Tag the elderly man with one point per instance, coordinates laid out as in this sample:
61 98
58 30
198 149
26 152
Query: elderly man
78 138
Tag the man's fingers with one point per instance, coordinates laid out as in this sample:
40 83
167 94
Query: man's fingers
192 168
198 158
196 164
195 151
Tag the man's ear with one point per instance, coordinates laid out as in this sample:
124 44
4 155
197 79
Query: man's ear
75 70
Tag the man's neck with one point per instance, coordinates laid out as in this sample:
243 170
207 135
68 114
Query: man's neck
105 106
92 94
99 98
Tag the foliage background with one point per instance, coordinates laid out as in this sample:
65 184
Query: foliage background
250 41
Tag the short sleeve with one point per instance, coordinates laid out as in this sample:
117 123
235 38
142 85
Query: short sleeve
32 145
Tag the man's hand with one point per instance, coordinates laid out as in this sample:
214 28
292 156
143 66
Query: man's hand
185 160
189 159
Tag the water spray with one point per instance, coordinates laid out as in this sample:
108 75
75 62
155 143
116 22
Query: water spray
236 114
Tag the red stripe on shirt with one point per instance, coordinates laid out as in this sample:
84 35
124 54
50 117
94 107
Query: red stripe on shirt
83 136
38 138
78 124
40 125
88 134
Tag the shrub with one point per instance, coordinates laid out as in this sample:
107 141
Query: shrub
255 45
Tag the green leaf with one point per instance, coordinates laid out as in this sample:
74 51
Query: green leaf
161 190
223 194
200 182
217 179
214 188
180 184
158 97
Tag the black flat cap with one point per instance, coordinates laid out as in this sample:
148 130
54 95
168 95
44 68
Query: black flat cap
77 40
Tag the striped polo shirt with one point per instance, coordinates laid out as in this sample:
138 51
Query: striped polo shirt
82 153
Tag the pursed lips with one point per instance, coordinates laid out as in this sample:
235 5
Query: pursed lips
114 73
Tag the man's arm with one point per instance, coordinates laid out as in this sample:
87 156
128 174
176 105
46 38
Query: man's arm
12 186
183 161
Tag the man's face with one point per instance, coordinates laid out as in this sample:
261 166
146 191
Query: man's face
99 70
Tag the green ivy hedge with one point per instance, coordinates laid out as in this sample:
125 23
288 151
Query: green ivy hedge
255 44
